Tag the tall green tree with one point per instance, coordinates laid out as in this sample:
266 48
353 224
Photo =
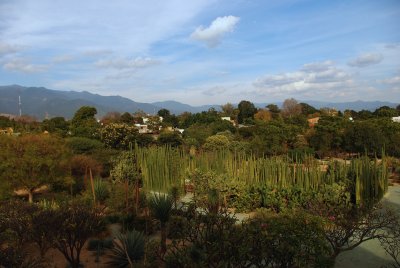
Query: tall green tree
246 110
84 123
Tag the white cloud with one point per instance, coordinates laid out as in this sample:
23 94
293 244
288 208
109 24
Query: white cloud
8 49
122 63
311 78
63 59
392 80
365 60
213 34
20 65
217 90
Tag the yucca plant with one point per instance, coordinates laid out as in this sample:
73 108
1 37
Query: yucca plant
128 249
100 190
160 207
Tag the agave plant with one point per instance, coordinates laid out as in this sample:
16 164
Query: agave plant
100 190
160 207
128 249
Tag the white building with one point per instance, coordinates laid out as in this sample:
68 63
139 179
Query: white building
396 119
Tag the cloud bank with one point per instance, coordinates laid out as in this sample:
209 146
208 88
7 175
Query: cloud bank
311 78
20 65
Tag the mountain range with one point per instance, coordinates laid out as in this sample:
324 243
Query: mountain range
42 102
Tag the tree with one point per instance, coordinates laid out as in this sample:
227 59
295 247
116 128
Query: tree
164 113
45 226
198 132
80 166
111 117
33 161
127 118
216 142
81 145
161 206
171 138
56 125
274 110
228 109
291 107
118 136
263 115
246 110
348 225
307 109
84 123
385 111
127 171
77 224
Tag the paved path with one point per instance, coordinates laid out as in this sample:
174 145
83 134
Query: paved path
370 254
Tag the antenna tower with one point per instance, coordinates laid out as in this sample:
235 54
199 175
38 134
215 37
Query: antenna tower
19 105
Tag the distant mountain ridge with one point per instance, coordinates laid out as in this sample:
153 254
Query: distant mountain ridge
42 102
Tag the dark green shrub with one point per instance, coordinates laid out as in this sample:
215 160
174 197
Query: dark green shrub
177 225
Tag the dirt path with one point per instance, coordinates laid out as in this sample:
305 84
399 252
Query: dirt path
370 254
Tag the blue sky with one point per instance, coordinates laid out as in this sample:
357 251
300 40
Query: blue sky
205 51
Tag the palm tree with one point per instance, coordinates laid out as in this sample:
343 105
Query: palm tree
128 249
160 207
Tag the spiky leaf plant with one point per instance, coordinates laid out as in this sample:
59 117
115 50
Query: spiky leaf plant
160 207
128 249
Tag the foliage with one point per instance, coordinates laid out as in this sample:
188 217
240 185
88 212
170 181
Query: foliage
268 240
161 206
82 145
33 161
127 171
391 242
77 224
101 190
246 110
170 138
263 115
126 118
118 136
291 107
56 125
328 135
216 142
84 123
128 249
45 226
294 239
348 225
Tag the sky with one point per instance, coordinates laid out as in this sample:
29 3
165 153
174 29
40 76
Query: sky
205 51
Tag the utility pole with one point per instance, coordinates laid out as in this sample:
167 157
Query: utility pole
20 105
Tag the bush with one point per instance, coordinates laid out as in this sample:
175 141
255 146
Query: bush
80 145
177 225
